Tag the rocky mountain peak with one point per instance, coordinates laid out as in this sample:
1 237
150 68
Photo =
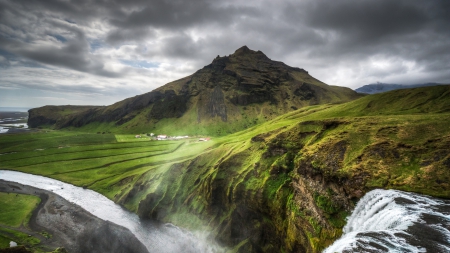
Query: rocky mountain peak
244 51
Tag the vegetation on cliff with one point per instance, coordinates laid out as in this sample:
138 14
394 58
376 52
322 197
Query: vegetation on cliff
285 185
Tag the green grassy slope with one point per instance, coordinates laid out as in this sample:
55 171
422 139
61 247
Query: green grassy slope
282 185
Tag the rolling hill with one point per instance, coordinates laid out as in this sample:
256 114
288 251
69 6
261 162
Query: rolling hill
375 88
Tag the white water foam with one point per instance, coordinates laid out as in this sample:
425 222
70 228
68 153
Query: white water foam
381 220
164 239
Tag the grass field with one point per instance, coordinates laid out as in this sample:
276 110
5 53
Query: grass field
89 159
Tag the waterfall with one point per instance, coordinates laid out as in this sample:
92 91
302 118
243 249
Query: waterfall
395 221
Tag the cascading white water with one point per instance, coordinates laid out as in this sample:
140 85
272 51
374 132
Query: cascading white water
164 239
395 221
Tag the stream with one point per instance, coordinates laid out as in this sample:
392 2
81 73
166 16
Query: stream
165 238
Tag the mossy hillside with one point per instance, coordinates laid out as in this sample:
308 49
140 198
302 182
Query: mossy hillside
283 185
435 99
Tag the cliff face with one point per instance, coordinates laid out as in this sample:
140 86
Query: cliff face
218 95
49 115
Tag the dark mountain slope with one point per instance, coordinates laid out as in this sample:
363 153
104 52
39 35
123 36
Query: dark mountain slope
230 94
49 115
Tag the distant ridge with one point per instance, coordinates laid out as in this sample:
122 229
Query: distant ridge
375 88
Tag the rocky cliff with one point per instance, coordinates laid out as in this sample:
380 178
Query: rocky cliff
47 116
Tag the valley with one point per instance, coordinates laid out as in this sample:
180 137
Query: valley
284 185
224 126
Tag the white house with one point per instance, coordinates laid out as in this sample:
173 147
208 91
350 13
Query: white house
161 137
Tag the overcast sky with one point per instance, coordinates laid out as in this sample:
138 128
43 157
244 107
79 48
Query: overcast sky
101 51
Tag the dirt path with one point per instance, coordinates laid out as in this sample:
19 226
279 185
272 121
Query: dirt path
71 226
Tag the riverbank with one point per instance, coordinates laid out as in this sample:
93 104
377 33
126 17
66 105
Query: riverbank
72 227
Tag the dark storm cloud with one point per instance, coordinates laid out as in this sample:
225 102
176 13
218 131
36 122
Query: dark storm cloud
27 22
28 26
87 35
118 36
73 54
351 32
368 26
367 20
179 14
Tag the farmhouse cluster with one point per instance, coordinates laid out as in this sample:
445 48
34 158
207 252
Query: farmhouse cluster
164 137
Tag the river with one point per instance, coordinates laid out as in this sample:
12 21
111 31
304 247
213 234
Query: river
165 238
383 221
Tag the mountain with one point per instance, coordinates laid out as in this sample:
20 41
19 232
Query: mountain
232 93
383 87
